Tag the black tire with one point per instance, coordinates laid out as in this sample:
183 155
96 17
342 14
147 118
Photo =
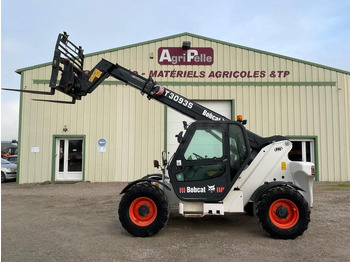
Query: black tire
3 177
283 213
143 210
249 209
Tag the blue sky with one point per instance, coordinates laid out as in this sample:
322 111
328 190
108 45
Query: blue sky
315 31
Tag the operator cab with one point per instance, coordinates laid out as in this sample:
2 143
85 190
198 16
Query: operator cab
209 159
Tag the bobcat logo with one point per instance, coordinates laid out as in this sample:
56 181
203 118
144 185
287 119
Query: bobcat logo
211 189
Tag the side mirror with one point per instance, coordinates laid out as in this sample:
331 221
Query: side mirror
164 158
179 137
185 125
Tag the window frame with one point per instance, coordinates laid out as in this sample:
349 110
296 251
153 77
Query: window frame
315 150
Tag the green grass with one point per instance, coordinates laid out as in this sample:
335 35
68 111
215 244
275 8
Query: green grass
343 185
337 187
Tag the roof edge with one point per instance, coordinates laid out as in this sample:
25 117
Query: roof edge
271 54
19 71
110 50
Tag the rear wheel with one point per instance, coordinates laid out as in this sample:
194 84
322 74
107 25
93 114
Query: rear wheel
283 213
3 177
143 210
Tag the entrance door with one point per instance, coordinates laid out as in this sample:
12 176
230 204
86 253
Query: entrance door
69 159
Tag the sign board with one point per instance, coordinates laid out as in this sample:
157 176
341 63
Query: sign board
35 149
102 142
101 149
180 56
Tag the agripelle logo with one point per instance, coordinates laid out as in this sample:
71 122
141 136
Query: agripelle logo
180 56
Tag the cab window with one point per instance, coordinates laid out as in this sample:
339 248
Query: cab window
238 149
205 144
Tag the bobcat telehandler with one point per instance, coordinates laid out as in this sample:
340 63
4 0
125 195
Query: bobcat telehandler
219 167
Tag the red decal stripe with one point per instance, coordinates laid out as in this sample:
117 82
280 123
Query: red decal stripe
220 189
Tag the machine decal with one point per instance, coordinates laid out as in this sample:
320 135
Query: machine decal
96 74
196 190
211 189
199 190
284 165
179 99
220 189
211 116
193 189
182 189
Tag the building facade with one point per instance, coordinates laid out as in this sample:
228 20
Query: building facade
114 133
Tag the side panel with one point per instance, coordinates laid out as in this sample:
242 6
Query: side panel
271 164
303 179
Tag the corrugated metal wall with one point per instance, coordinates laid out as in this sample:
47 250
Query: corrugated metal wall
310 101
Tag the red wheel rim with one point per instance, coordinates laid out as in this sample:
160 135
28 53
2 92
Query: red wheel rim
284 213
143 211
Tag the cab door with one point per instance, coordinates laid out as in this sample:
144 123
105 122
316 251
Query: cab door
200 168
208 160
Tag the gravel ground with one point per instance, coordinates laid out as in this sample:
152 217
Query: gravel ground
79 222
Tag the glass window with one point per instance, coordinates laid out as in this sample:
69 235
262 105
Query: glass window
205 144
201 172
12 159
75 159
3 161
238 149
296 153
61 163
303 150
308 151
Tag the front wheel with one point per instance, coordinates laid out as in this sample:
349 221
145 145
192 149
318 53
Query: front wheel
283 213
143 210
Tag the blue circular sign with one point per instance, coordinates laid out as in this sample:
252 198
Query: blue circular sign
102 142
